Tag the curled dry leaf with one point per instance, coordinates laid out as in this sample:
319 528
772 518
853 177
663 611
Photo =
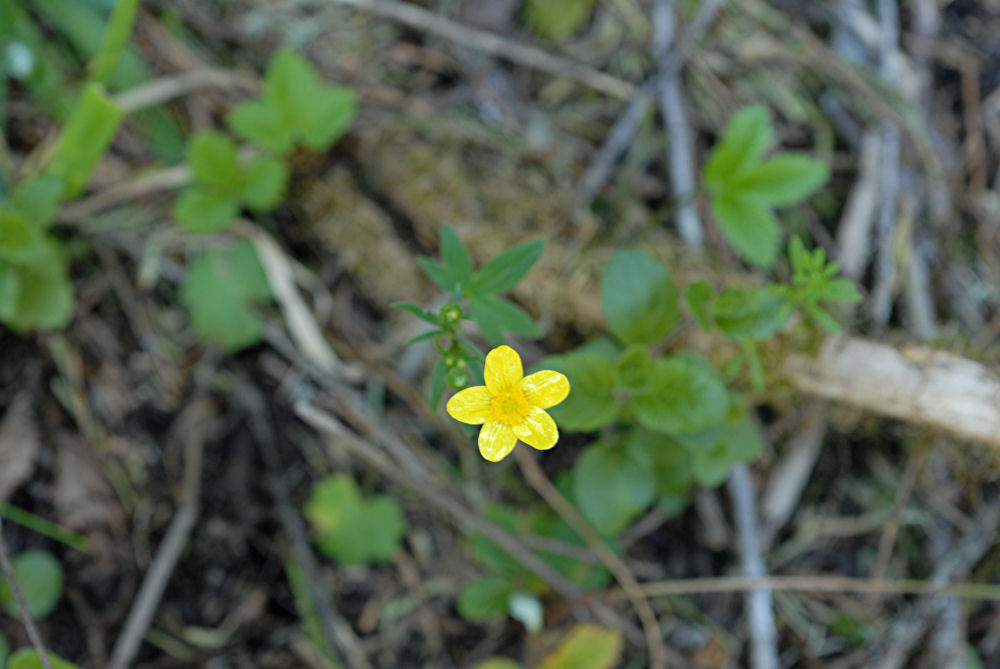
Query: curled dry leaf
18 445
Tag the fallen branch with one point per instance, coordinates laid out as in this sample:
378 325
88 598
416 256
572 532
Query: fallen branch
916 384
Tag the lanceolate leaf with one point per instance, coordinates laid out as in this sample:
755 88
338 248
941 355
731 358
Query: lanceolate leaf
503 272
785 179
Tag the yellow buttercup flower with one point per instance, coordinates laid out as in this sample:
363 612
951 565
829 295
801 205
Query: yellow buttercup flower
510 406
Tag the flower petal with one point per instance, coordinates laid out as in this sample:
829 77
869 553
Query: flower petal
496 441
503 369
545 389
537 430
471 405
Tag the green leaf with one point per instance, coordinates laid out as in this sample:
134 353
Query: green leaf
503 272
784 180
329 117
260 122
699 299
612 485
821 317
85 138
558 20
352 530
44 292
838 290
746 137
438 273
455 256
419 312
671 463
27 658
586 647
221 291
198 211
639 297
633 366
38 199
10 290
40 576
296 108
264 183
591 403
750 226
4 650
495 315
115 40
438 378
498 663
798 257
750 314
484 599
214 164
16 233
685 394
740 442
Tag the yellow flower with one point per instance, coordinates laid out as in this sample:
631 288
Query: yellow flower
510 406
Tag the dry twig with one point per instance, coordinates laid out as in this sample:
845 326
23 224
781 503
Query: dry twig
191 428
536 478
495 45
29 625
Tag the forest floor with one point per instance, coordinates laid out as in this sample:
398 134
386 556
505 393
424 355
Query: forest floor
163 453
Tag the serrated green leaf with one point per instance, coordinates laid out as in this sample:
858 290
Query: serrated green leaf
40 576
221 291
455 255
27 658
749 226
612 485
750 314
329 117
260 122
484 599
85 137
264 183
784 179
296 108
586 647
685 394
352 530
744 141
506 270
591 404
198 211
639 297
495 315
214 164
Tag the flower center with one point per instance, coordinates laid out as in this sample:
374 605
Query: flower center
510 406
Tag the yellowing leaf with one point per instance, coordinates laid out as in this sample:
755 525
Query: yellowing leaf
586 647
